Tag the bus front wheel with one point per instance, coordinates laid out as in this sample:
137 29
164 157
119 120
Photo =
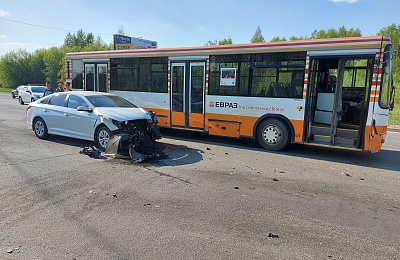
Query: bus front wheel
273 134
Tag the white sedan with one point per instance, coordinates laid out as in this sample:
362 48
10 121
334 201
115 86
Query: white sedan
30 94
93 116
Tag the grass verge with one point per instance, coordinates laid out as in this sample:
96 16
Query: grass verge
394 115
8 90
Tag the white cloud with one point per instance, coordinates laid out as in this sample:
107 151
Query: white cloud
14 46
347 1
3 13
2 36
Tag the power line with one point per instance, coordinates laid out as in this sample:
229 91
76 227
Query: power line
46 27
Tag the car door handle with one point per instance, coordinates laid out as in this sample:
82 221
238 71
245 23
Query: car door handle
66 114
46 111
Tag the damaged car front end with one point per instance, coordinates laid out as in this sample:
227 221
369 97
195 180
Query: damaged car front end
137 137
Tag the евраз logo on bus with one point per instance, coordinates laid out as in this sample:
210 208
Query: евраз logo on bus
223 104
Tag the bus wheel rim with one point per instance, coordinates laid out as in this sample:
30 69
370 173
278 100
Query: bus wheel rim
272 134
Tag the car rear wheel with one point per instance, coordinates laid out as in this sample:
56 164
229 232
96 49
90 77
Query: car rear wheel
273 134
102 137
20 101
40 128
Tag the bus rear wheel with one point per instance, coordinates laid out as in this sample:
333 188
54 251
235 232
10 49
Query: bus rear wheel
273 134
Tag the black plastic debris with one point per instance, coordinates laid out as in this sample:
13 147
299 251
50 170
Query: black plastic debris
91 151
272 235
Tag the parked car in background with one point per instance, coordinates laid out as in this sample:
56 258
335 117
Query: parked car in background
30 94
93 116
15 92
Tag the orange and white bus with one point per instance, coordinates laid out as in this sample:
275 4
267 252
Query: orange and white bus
328 92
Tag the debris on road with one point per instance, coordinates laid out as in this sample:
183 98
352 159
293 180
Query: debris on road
91 151
10 251
275 179
272 235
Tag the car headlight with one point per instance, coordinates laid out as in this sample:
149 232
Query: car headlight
118 124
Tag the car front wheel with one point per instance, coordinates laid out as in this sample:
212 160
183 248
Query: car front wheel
20 101
102 137
40 128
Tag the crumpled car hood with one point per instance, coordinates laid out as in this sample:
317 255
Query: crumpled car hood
122 113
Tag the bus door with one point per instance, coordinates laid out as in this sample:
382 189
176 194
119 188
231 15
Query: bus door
187 94
96 77
337 101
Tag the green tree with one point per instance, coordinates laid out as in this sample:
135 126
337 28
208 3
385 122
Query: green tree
278 39
257 37
37 66
53 59
80 39
333 33
121 31
323 34
15 69
225 41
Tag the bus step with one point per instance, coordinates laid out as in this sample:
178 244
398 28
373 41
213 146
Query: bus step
340 132
346 142
339 141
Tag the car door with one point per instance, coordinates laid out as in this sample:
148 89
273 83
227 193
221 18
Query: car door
24 94
53 114
78 124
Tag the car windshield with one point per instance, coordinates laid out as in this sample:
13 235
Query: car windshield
38 89
109 101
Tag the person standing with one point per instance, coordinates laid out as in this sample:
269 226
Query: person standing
66 86
49 90
60 87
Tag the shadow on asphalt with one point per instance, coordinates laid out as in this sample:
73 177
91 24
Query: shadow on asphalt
182 155
384 159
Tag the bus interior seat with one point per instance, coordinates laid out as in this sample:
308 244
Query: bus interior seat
270 90
291 90
279 90
263 92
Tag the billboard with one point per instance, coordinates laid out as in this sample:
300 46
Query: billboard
122 42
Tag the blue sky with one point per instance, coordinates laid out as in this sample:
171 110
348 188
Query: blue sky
185 23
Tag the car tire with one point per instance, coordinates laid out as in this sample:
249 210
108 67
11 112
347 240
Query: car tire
40 128
103 135
13 95
32 100
273 134
20 101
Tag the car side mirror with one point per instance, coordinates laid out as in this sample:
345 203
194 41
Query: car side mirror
84 108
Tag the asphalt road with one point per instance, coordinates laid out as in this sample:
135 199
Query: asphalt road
212 198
